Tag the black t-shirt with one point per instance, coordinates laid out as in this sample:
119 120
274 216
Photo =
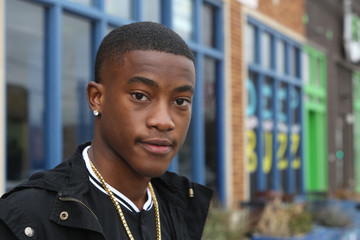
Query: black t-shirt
142 224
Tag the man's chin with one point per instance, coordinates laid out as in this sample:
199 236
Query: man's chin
154 172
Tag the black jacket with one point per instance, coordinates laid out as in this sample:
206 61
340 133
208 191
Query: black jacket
54 204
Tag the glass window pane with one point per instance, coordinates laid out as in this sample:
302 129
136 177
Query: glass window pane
119 8
210 120
280 57
252 127
184 156
250 43
152 10
282 103
25 89
306 67
208 25
76 40
266 50
183 18
267 99
294 62
84 2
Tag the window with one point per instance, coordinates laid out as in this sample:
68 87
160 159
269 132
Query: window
280 48
273 125
25 89
152 10
76 71
250 44
210 120
205 141
183 18
208 25
306 67
266 50
119 8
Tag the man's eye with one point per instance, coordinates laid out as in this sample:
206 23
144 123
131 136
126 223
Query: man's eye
139 96
182 102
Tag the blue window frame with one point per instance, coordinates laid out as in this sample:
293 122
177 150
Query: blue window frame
274 110
100 19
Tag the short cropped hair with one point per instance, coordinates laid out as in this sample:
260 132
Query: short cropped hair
139 36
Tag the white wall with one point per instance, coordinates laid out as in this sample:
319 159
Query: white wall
2 97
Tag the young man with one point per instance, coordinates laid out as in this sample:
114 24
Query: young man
117 187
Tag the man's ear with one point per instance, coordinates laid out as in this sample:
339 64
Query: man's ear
95 94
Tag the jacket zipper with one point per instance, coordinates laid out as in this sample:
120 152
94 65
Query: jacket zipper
70 199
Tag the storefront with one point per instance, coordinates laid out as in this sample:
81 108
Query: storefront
274 110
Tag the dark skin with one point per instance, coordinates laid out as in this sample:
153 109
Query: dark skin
144 103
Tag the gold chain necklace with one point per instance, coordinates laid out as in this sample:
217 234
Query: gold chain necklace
120 212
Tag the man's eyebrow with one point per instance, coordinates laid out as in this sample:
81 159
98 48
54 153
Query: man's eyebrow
146 81
184 89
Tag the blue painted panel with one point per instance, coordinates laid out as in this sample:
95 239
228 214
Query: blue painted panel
198 130
260 183
53 115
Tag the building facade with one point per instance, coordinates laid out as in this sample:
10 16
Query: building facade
267 89
277 91
335 34
50 49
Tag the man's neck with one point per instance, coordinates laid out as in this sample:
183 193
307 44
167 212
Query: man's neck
117 174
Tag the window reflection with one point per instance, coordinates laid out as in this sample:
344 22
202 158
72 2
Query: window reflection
306 67
183 18
280 56
185 156
75 76
266 50
210 120
294 68
250 44
119 8
25 89
208 25
152 10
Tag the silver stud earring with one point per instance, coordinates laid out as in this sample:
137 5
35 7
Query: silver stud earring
96 113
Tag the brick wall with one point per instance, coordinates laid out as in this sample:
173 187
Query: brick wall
237 103
288 13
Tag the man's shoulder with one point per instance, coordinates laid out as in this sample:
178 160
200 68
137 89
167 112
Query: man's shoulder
31 201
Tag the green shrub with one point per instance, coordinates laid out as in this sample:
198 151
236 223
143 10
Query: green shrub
300 223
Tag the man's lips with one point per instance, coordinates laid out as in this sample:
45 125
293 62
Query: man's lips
159 146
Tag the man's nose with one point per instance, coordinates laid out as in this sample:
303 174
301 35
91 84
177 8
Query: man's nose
160 117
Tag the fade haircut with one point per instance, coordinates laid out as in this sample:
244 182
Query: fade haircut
139 36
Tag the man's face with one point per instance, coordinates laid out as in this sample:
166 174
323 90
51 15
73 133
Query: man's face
146 108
